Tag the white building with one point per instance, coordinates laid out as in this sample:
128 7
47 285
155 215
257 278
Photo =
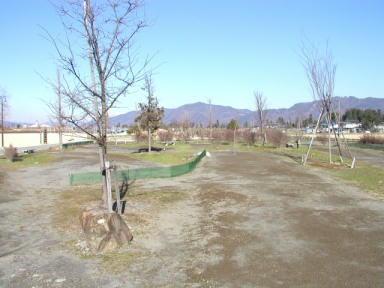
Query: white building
351 126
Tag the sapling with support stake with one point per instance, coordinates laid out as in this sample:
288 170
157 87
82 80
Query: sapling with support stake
150 113
108 30
321 71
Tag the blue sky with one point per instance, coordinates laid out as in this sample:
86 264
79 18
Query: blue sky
222 50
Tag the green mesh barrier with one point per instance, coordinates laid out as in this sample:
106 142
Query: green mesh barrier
139 173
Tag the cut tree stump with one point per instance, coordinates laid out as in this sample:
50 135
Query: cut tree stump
104 231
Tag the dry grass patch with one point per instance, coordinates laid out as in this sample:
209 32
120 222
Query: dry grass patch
37 159
70 204
116 262
156 196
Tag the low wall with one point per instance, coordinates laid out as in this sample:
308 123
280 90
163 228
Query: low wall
348 136
36 138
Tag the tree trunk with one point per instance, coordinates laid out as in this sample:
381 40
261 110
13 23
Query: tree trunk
60 137
234 139
338 142
59 116
149 140
104 176
2 122
264 138
329 137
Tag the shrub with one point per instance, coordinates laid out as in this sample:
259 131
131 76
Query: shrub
186 135
165 136
202 133
322 139
10 153
276 137
371 139
228 135
249 137
141 137
217 135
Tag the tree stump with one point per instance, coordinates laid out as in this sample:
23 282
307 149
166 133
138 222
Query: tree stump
104 231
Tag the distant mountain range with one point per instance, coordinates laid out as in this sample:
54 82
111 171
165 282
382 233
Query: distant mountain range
10 124
199 112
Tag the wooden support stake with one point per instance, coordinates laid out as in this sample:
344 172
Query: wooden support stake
117 190
109 188
313 137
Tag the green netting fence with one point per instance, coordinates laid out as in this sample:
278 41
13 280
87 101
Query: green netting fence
139 173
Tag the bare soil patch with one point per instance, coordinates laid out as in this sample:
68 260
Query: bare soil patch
246 219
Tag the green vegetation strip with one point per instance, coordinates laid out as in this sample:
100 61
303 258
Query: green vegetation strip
140 173
28 160
365 176
379 147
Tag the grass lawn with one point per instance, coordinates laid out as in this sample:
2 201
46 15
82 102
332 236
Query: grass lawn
364 176
316 156
178 154
28 160
378 147
181 152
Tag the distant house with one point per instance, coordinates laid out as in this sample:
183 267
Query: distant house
324 126
380 127
309 130
38 125
351 126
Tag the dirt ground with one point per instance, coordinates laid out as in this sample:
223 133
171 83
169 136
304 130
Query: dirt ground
247 220
372 157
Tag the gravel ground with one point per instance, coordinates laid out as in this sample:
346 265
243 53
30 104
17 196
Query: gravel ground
249 220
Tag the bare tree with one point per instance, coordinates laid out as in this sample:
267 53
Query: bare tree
100 34
233 125
210 118
3 104
151 114
321 71
185 122
59 109
261 113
